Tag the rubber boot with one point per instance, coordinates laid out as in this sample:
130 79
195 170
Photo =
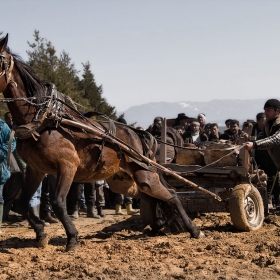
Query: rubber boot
74 210
91 214
36 211
49 218
130 210
1 217
75 214
119 210
83 208
100 211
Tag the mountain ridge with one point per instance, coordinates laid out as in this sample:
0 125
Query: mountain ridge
216 110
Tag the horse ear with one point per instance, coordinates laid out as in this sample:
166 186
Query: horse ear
3 43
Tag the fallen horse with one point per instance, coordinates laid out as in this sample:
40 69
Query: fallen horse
50 145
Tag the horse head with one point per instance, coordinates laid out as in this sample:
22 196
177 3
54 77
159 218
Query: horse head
19 82
6 64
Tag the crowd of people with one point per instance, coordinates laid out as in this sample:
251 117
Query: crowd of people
260 134
263 138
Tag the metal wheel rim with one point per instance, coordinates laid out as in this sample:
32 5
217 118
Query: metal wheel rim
251 209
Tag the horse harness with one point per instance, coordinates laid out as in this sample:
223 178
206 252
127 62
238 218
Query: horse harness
52 111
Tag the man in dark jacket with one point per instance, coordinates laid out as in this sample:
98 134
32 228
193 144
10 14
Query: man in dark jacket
271 140
234 133
195 134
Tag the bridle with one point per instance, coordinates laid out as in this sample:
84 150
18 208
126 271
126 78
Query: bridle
6 68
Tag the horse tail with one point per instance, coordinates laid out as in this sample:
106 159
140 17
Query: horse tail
167 213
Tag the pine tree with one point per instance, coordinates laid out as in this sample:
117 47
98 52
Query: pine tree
53 69
93 93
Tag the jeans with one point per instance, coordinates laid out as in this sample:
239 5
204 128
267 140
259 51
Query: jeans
36 198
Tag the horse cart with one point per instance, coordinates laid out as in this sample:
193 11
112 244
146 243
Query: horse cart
222 180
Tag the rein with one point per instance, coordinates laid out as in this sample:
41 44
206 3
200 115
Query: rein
7 69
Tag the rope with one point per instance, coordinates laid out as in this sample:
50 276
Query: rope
237 148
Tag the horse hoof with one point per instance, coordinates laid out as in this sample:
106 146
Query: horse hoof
42 243
71 247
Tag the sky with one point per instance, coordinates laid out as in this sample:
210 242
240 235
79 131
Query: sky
144 51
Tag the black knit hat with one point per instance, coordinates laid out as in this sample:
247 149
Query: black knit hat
121 120
272 103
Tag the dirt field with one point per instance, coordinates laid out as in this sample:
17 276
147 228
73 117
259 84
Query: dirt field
115 247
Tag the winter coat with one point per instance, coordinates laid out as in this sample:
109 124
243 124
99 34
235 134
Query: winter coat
234 138
271 142
5 133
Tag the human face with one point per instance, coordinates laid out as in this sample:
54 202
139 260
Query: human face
180 131
227 124
271 114
208 129
234 128
201 120
194 128
214 130
9 121
261 123
183 122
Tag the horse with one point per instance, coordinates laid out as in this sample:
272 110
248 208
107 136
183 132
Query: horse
73 154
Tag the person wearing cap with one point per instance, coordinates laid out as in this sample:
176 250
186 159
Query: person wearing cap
181 121
271 140
195 135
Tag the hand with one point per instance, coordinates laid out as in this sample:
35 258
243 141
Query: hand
249 146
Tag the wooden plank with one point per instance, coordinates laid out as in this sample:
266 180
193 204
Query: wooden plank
163 147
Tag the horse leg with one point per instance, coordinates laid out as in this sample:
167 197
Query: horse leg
58 198
157 221
123 183
149 183
32 181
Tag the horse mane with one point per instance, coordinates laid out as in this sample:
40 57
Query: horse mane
34 86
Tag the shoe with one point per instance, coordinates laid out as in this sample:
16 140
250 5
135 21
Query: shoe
23 223
12 213
91 214
100 211
83 209
118 210
75 215
49 219
130 210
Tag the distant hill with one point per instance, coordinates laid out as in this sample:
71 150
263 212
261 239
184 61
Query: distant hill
215 110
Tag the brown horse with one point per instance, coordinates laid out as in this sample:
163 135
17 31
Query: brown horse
75 155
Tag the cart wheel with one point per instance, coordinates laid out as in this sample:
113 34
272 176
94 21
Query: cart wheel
246 207
145 213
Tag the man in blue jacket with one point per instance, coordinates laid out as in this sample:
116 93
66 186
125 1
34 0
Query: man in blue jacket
5 133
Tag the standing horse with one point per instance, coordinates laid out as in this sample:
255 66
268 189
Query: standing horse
73 155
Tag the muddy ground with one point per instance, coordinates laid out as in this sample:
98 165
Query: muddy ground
115 247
